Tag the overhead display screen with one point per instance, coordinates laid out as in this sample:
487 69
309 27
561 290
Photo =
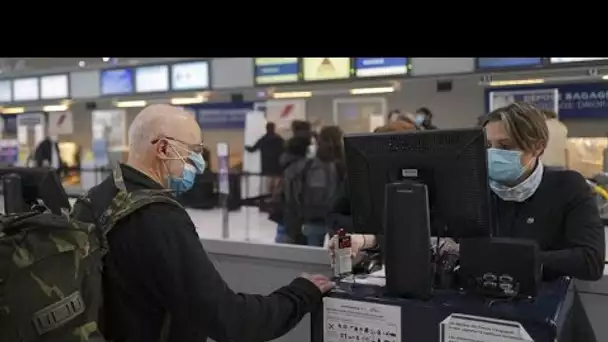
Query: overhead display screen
25 89
192 75
380 66
54 87
276 70
326 68
6 92
575 59
117 82
153 78
508 62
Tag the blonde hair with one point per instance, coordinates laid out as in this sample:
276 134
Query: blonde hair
525 124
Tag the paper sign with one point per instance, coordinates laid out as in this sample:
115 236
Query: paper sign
461 328
348 320
60 123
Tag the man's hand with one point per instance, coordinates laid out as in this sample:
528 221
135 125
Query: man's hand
323 283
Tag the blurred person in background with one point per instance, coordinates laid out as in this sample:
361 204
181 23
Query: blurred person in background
556 152
424 119
315 181
271 147
289 228
340 215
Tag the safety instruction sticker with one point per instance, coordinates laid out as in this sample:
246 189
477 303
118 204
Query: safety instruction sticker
467 328
357 321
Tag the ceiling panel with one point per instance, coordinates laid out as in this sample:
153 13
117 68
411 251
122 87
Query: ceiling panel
17 65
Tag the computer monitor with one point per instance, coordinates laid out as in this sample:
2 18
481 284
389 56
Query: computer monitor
451 163
40 183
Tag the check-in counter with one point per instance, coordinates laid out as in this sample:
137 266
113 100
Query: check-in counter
261 268
594 296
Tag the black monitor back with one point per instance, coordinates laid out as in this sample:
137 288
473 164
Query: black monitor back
451 163
40 183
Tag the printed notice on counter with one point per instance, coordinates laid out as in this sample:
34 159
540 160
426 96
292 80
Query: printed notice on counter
466 328
349 320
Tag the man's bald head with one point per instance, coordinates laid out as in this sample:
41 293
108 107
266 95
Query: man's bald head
157 121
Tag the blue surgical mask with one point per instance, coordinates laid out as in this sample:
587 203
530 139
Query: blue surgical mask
186 181
420 118
504 166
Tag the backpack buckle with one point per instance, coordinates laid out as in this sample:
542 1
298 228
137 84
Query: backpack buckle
59 313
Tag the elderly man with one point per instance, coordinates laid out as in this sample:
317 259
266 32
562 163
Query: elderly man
157 268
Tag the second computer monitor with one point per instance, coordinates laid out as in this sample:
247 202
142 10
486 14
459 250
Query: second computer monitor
451 163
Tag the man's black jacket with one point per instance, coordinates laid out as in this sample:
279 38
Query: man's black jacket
159 266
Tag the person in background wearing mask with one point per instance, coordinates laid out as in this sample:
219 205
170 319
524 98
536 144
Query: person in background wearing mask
556 208
424 119
556 153
156 266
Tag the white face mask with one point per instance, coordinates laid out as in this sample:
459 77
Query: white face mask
312 150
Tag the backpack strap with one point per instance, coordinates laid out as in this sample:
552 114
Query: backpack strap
304 180
125 203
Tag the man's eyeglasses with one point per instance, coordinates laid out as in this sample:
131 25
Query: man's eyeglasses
196 148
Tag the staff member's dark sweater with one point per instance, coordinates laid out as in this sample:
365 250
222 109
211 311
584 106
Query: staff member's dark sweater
161 267
563 218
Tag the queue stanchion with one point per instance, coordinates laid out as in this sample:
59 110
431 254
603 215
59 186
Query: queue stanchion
13 194
247 208
224 186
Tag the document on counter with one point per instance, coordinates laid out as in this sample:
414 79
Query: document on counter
351 320
467 328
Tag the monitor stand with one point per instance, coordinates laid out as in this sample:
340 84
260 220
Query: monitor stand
13 194
407 234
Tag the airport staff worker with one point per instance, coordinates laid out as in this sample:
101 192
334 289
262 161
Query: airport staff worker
556 208
158 265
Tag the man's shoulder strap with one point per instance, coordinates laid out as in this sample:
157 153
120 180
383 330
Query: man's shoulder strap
125 203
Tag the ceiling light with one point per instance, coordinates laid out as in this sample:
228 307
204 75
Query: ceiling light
14 110
82 64
605 77
105 59
378 90
55 108
129 104
516 82
292 94
178 101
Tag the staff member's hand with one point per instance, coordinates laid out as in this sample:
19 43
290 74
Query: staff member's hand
322 282
358 242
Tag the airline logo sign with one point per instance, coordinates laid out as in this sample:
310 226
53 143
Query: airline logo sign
283 112
61 123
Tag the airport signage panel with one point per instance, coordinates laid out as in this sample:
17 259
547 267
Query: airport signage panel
559 60
6 91
152 79
26 89
54 87
326 68
190 75
508 62
576 101
222 115
117 82
276 70
380 66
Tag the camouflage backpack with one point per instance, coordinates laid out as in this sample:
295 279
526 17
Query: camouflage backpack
51 269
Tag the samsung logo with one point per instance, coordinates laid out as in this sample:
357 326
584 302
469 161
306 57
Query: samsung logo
409 173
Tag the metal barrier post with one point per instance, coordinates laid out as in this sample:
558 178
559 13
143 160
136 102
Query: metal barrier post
247 227
224 186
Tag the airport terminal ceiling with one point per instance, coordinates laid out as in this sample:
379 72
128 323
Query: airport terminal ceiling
24 64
